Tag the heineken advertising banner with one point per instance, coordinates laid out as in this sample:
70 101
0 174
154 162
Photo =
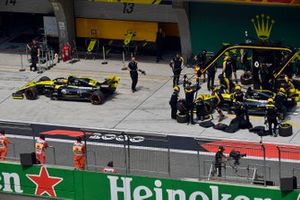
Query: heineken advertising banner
66 183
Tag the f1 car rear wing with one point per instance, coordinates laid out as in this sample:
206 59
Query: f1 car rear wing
226 48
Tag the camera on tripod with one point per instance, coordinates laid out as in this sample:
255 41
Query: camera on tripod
236 156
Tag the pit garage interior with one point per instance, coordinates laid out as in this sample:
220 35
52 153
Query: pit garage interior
21 21
106 23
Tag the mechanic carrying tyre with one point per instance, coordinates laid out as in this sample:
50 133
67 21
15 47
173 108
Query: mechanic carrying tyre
271 117
173 102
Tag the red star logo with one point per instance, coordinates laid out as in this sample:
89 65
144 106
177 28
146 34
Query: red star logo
44 183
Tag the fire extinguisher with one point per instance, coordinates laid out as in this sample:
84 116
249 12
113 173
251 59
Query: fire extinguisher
66 52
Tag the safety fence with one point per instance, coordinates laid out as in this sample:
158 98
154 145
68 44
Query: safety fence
160 155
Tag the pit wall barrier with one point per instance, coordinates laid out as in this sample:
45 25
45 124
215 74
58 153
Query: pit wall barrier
67 183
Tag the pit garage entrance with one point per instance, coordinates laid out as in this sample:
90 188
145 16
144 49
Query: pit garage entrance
130 37
23 20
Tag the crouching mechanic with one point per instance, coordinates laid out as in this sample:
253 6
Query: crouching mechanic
173 101
79 154
3 145
40 146
238 95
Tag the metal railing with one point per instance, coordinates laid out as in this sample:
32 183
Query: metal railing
149 155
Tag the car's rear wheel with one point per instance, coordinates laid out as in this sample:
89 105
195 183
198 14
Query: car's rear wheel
97 98
44 78
31 93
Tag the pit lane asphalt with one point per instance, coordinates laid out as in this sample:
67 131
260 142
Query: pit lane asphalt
146 111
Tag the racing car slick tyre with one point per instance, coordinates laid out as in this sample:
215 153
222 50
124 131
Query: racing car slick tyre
97 98
181 118
246 78
31 93
285 130
44 78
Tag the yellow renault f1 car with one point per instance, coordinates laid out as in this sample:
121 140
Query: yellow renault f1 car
255 100
71 88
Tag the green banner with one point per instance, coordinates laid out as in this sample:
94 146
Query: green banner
66 183
215 24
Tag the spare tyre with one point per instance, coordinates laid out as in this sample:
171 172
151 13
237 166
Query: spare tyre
31 93
181 118
285 130
97 98
44 78
246 78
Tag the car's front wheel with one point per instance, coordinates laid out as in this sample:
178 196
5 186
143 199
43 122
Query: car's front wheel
31 93
97 98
